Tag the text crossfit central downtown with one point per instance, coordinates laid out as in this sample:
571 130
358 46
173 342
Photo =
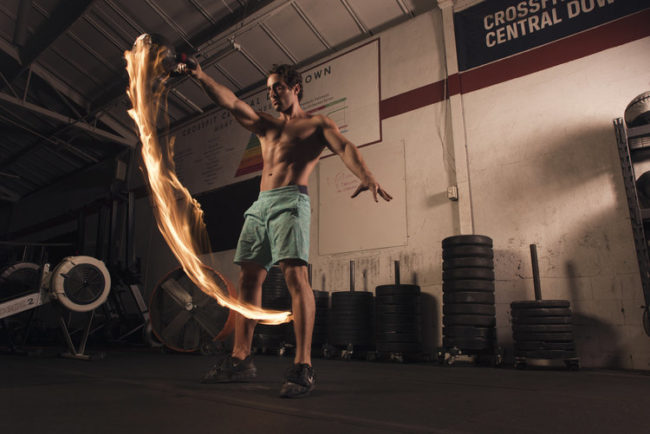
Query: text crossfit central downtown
520 20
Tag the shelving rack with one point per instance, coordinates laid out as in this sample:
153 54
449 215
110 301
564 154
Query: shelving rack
634 146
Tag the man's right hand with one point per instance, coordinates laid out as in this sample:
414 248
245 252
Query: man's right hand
195 72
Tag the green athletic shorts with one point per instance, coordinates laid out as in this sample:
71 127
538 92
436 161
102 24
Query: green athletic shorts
276 227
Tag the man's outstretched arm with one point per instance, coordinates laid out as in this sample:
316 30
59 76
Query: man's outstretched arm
225 98
350 155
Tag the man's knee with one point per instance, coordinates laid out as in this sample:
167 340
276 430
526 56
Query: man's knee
295 274
251 277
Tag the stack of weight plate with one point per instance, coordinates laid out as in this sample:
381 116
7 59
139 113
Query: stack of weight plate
468 293
275 295
542 329
319 337
397 313
351 319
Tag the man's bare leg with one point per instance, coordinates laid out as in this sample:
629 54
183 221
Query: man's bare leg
251 277
236 367
304 307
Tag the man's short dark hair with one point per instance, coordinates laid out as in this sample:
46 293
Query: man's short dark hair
289 75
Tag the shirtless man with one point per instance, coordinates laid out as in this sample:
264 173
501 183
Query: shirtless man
276 226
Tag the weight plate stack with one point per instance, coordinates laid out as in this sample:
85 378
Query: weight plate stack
275 295
542 329
468 293
351 319
397 313
319 337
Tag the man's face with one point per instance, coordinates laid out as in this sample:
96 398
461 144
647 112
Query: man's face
281 95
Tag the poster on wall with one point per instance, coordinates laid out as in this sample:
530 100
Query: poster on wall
492 30
215 150
350 225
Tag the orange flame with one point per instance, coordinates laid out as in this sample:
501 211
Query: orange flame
178 214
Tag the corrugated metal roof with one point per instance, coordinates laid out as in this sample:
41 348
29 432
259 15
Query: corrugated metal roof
62 89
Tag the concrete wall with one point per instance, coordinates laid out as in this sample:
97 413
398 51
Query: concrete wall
543 169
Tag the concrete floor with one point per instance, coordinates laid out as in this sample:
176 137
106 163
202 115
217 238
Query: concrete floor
146 391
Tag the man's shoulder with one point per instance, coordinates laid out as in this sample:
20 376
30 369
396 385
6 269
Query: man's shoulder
322 120
266 116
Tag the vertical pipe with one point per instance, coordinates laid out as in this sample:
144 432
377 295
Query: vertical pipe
533 258
81 232
99 241
351 276
130 231
397 273
112 235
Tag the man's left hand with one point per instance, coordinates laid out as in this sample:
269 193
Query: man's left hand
375 188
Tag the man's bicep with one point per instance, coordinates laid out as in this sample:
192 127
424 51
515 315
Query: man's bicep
334 140
247 117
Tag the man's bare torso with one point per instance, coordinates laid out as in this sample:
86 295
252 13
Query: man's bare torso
290 150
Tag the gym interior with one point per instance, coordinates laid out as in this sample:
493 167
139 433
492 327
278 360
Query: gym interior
504 288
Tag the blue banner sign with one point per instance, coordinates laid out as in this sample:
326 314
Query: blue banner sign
492 30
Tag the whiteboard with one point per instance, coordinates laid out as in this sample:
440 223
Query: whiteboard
214 150
349 225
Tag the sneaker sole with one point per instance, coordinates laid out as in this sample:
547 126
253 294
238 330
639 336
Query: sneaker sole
295 392
239 378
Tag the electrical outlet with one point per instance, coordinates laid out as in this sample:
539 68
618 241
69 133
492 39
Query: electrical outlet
452 193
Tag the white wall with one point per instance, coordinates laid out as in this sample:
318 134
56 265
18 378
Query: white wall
411 57
544 169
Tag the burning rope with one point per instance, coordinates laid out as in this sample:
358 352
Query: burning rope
178 215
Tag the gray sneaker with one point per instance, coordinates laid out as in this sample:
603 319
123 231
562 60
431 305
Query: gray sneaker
231 370
299 381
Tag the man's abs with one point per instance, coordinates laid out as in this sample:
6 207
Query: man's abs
289 163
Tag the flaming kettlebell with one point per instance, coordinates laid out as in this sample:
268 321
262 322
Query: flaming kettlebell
173 64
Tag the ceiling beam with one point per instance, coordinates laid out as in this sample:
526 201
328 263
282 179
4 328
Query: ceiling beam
355 17
64 89
61 19
117 91
67 120
20 31
8 195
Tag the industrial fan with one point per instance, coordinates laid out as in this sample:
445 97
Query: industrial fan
78 283
185 318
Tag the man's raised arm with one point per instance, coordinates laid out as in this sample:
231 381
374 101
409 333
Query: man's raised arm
350 155
225 98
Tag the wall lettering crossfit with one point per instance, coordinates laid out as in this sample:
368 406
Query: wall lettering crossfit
493 30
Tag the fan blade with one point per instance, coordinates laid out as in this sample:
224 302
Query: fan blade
192 336
206 323
187 284
173 329
177 292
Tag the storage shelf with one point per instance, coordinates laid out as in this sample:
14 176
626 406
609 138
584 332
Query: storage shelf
629 140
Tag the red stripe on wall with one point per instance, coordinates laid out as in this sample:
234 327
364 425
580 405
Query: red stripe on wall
411 100
610 35
574 47
453 82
